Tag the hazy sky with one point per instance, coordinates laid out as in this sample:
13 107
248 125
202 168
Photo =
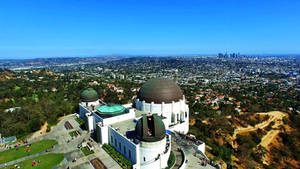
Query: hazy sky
53 28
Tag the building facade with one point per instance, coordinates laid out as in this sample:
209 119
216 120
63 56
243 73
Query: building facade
139 131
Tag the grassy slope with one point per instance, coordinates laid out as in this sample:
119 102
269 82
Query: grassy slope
47 161
37 147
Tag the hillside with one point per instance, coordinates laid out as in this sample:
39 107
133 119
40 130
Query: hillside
6 75
259 145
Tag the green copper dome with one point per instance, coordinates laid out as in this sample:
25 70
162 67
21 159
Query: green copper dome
89 95
111 110
150 129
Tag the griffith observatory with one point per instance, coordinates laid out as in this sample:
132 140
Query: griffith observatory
139 131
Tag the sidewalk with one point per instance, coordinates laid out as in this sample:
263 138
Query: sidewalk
102 155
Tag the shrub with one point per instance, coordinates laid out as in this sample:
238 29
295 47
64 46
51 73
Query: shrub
171 160
48 128
222 152
119 158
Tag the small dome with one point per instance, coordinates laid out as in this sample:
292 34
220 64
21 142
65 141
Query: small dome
89 95
160 90
111 110
150 129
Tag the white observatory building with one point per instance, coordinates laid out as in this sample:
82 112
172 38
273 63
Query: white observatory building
139 132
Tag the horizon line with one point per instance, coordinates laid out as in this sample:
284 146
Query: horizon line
156 55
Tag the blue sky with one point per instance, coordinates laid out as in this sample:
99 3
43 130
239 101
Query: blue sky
55 28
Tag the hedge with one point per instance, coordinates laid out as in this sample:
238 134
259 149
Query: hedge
119 158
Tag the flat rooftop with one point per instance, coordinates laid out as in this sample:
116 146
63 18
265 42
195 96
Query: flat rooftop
124 126
127 125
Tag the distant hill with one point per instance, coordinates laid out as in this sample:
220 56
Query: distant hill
6 74
46 62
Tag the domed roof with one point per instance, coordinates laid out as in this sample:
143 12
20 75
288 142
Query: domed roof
160 90
150 129
111 110
89 95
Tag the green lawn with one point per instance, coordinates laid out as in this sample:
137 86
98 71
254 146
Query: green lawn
47 161
37 147
80 121
86 151
73 133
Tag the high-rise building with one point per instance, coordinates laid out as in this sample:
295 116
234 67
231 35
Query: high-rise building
220 55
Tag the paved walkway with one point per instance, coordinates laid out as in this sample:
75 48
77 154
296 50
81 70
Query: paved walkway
102 155
193 156
178 155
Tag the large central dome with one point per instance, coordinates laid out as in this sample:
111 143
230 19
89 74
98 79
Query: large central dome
160 90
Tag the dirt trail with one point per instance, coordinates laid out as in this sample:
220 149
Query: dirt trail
40 132
274 116
63 117
43 129
268 138
271 135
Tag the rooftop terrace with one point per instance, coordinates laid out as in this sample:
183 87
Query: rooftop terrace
127 125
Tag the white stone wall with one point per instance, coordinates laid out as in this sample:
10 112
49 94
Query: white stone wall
123 117
162 108
165 157
180 128
201 148
103 132
179 109
149 153
116 140
87 104
90 121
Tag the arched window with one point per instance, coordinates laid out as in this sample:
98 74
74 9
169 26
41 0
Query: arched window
181 116
172 118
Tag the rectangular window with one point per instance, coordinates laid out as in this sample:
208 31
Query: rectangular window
172 118
120 146
129 152
116 142
112 140
124 150
144 158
